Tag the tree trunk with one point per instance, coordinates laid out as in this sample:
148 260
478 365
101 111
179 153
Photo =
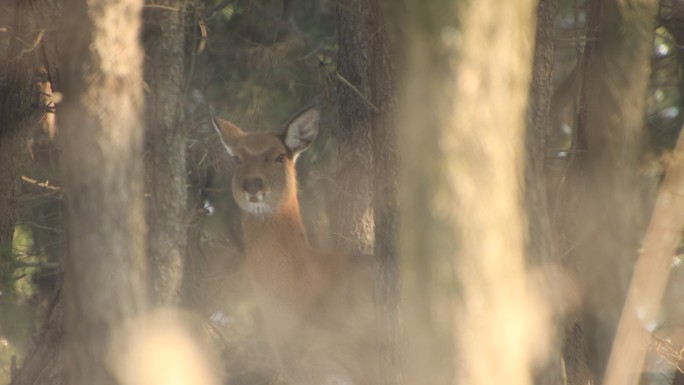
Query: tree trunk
538 240
165 169
351 209
462 230
385 209
606 208
368 160
101 143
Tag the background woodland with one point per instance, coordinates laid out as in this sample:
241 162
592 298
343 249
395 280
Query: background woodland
512 167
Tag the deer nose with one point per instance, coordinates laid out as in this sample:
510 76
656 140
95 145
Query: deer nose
253 185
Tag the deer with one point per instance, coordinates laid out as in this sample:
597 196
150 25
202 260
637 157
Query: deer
317 307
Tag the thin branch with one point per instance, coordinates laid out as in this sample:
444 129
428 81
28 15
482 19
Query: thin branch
356 91
163 7
30 45
45 184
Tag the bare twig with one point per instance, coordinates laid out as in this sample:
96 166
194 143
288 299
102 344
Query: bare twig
163 7
30 46
356 91
669 353
45 184
203 41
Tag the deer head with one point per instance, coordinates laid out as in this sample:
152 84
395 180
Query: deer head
264 178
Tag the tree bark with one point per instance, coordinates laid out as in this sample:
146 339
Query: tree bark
461 238
368 143
352 222
384 198
45 363
539 239
101 146
165 161
606 208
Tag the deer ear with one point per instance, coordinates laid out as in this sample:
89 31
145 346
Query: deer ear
301 131
228 132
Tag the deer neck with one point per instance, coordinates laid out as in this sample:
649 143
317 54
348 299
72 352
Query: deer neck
281 232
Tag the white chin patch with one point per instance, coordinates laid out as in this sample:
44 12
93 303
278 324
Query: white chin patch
258 208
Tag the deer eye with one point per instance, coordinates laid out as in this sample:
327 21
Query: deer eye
280 158
237 159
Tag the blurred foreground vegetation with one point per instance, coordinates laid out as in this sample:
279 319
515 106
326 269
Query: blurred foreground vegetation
257 63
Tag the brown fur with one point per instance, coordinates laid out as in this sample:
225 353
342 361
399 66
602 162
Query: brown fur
317 307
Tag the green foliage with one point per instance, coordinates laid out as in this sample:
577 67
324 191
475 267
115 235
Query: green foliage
18 315
13 263
8 264
261 64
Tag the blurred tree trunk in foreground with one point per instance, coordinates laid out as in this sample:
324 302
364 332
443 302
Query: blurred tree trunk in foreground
164 43
107 337
605 207
467 299
102 168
